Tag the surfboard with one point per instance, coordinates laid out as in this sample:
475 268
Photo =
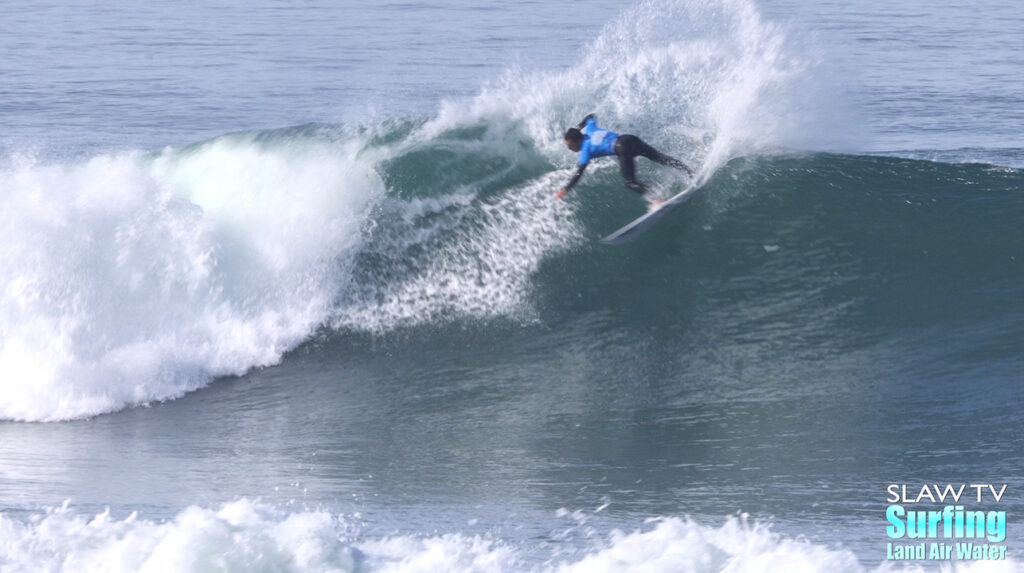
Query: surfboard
644 223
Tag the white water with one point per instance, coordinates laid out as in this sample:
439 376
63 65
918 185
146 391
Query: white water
249 536
128 278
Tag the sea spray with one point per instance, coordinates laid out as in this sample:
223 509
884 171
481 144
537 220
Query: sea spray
703 80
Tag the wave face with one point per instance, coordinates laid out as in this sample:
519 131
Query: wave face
135 277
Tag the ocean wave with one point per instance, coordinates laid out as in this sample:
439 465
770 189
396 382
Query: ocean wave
130 277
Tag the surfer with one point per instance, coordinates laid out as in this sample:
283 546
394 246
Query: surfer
590 141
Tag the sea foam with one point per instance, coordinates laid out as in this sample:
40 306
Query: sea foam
250 536
129 278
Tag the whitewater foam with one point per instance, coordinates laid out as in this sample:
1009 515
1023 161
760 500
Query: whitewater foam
251 536
130 278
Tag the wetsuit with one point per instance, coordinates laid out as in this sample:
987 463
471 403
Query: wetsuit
599 142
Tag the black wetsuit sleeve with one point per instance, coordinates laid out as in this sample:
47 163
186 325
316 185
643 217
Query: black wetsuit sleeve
576 177
583 123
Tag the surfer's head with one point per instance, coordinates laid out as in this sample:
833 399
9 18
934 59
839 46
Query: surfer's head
573 139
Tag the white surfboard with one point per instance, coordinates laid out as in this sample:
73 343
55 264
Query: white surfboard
644 223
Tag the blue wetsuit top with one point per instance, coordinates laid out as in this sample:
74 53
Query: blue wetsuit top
597 142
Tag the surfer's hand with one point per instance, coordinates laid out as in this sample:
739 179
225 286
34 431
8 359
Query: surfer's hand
561 193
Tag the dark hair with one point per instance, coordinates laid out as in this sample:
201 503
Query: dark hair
573 134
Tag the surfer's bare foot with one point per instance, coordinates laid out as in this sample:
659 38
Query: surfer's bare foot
654 204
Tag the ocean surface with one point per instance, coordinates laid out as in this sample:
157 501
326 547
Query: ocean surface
283 286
